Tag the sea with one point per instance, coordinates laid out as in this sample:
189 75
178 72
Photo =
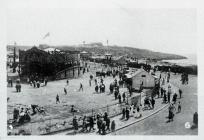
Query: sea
191 60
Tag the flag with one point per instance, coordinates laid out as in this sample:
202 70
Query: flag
46 35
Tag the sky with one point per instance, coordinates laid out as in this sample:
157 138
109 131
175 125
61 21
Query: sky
162 30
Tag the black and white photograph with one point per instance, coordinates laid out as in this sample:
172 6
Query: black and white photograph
102 71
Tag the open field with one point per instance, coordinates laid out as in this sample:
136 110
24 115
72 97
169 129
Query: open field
85 101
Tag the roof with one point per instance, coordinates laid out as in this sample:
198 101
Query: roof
108 54
51 50
84 52
132 74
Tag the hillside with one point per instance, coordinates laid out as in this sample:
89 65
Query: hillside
129 51
98 48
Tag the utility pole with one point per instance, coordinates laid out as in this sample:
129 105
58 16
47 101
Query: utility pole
19 65
14 58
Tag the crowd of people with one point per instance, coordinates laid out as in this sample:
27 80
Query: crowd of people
100 123
23 114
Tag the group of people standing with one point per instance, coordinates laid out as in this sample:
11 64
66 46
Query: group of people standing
184 78
89 123
99 88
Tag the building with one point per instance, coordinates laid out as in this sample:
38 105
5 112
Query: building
140 77
85 55
108 56
72 57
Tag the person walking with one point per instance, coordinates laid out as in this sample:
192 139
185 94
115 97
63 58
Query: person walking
171 112
165 98
124 96
162 92
81 87
113 126
174 98
179 107
96 88
90 82
127 113
180 93
123 112
67 82
34 83
46 81
95 82
119 98
138 112
115 94
153 103
57 99
169 97
65 91
163 82
195 119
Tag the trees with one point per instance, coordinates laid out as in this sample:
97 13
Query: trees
41 63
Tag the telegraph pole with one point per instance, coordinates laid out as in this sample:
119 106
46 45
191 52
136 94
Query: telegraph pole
14 58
